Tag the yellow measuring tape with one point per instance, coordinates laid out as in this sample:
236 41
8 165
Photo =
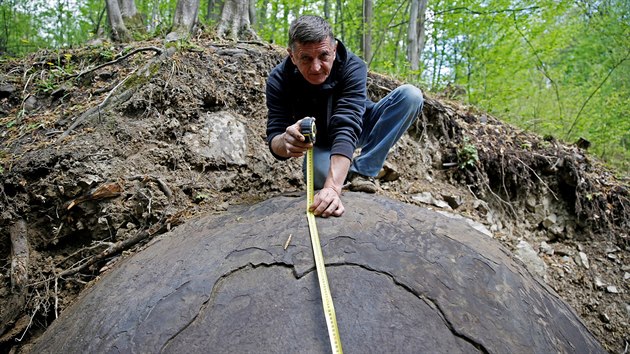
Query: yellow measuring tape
308 130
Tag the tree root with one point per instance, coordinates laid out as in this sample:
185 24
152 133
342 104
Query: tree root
19 255
116 248
157 50
111 99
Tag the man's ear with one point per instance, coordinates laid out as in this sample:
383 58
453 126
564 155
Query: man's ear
291 55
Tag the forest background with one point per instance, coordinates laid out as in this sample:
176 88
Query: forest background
560 68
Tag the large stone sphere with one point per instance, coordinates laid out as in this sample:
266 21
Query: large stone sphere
404 279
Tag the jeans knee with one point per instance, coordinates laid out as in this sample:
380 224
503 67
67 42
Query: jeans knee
412 95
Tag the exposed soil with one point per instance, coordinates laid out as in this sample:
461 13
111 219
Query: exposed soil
81 190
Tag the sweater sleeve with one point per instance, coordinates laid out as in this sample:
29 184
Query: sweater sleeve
346 121
279 116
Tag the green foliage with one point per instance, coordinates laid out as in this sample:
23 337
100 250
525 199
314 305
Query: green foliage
467 155
558 67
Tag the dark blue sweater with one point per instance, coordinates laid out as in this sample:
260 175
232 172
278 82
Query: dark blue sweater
337 105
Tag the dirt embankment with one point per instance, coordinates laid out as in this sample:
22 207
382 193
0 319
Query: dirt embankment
96 161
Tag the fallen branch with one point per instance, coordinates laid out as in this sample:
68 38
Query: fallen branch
116 248
19 255
97 110
161 184
157 50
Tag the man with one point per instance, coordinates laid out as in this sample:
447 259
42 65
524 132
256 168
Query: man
322 79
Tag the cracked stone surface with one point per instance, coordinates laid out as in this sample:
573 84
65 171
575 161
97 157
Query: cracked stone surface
404 279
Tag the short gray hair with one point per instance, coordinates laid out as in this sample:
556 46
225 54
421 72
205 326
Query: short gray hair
309 29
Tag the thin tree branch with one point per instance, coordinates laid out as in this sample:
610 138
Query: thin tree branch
541 66
493 12
577 116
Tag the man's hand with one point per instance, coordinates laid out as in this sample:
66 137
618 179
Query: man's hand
327 202
291 142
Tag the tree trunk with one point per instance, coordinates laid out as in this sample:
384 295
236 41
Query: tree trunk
412 36
366 39
184 20
416 37
132 18
235 21
252 12
327 10
422 17
116 23
339 18
127 8
211 10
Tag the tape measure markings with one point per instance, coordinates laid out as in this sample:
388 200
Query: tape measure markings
308 130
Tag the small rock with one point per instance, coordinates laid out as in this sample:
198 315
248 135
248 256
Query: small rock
31 104
564 251
612 249
582 260
626 276
60 92
427 198
424 197
599 284
546 248
557 230
530 203
604 318
526 253
388 173
549 221
6 90
612 289
454 201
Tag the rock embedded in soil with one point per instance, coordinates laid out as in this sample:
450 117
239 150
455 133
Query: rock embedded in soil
403 278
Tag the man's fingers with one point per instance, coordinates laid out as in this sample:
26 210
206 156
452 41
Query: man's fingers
294 132
293 146
326 203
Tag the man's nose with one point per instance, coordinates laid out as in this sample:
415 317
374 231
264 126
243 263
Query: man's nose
317 65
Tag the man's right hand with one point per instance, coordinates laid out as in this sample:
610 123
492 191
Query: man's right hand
291 142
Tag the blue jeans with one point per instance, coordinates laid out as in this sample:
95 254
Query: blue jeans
383 125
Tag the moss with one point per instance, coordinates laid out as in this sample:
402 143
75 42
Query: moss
141 77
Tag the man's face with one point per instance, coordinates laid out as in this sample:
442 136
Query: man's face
314 60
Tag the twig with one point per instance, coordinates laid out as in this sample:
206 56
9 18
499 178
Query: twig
92 110
507 194
157 50
261 43
115 249
494 194
286 244
30 321
163 186
540 179
577 116
471 191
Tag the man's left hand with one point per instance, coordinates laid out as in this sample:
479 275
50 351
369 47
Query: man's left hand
327 202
